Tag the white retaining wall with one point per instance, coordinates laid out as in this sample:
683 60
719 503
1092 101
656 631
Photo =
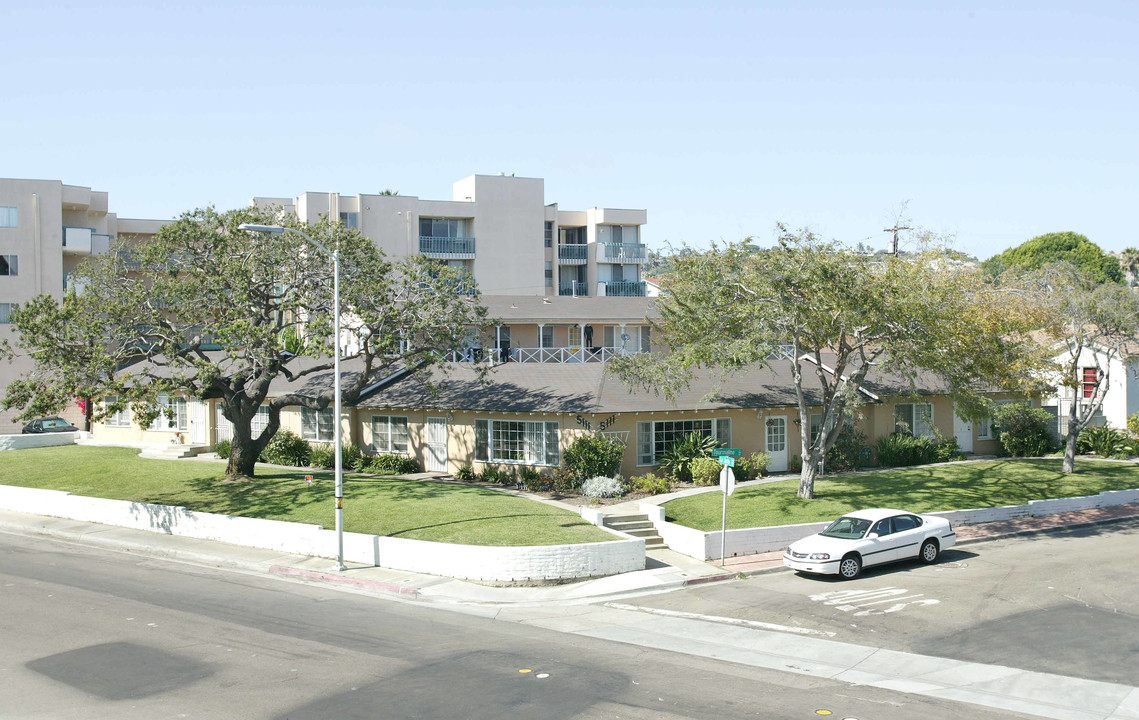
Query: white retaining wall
532 564
749 541
23 442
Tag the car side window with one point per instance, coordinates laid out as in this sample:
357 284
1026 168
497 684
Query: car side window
882 527
905 522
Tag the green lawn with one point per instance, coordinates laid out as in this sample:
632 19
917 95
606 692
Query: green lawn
442 512
958 486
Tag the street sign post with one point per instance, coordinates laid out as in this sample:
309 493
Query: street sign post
728 486
727 452
727 461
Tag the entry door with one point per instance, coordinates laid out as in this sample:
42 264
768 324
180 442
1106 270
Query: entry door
963 431
436 444
776 445
196 410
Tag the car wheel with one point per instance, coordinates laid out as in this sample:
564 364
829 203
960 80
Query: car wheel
929 551
850 567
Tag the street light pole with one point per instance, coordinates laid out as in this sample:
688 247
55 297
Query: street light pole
338 450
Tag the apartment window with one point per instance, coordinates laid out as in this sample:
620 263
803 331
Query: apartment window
645 341
121 418
6 312
1088 381
440 227
914 418
547 336
350 220
549 233
317 425
389 434
517 441
617 274
549 273
9 216
816 425
173 415
616 234
655 438
572 236
9 265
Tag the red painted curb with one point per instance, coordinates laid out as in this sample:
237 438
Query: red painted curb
709 579
343 580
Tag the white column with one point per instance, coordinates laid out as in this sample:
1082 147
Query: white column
581 345
623 350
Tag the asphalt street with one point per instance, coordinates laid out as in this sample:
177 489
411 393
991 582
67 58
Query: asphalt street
91 633
1065 602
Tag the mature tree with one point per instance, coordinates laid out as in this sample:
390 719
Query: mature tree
264 300
1092 326
1129 264
1057 247
842 315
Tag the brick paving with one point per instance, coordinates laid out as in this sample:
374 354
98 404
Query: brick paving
767 562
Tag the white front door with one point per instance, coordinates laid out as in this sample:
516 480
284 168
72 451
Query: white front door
776 444
436 444
196 411
963 431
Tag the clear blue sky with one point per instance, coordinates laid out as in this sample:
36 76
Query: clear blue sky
996 121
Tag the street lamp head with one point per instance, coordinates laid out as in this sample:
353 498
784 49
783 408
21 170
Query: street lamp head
272 229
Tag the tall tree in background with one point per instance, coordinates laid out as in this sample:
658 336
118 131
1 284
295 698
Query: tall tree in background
1092 326
203 283
843 315
1057 247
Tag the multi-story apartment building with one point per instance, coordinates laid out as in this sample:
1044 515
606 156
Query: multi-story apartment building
498 229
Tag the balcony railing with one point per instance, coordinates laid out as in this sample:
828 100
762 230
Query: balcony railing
575 288
622 288
573 254
575 354
624 252
447 248
77 240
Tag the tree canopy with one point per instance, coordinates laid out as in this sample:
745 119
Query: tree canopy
1058 247
205 309
842 315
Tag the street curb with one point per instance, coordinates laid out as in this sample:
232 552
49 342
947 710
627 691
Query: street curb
1044 530
391 588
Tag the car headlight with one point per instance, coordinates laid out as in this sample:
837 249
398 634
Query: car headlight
820 556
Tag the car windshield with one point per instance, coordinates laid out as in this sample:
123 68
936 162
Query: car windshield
55 422
848 528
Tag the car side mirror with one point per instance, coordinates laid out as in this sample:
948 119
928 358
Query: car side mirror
871 536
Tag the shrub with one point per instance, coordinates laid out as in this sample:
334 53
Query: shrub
1102 441
566 479
322 456
1133 425
651 483
796 464
903 449
534 481
591 456
602 487
222 449
947 451
705 471
1022 430
466 474
353 458
752 466
678 458
286 448
846 453
393 465
494 475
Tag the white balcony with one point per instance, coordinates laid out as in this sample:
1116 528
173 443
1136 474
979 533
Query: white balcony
447 248
624 253
77 241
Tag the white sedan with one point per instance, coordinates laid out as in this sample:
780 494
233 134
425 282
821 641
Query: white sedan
870 537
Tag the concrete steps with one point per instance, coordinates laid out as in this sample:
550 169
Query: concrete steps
637 526
173 452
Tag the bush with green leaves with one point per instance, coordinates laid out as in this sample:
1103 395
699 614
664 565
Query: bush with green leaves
222 449
393 465
467 474
903 449
286 448
494 475
750 467
1103 441
353 458
322 456
603 487
535 481
705 471
678 457
1022 430
846 453
1133 425
590 456
651 483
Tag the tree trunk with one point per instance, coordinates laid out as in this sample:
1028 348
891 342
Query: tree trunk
242 458
1070 453
807 480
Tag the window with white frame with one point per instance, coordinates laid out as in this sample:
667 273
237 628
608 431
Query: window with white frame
120 418
9 265
914 419
389 434
547 336
644 342
517 441
9 216
6 312
654 438
317 425
350 220
173 415
440 227
259 421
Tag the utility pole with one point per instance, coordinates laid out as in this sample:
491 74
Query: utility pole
894 243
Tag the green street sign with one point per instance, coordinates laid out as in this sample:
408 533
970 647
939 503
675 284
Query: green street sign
728 461
727 452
